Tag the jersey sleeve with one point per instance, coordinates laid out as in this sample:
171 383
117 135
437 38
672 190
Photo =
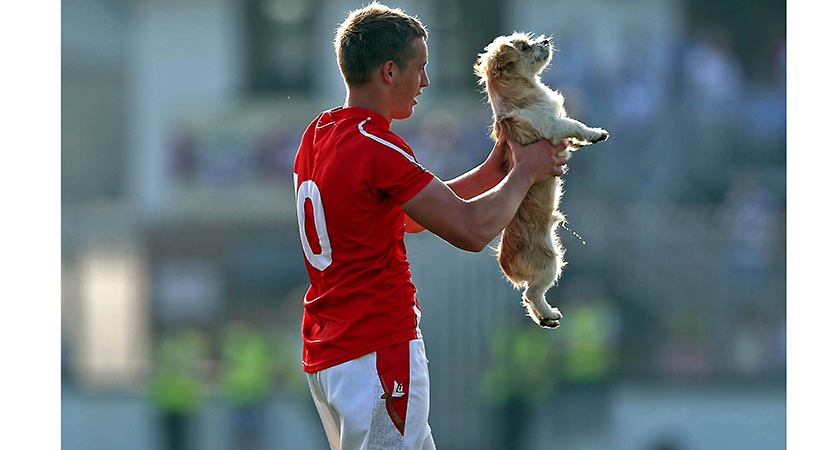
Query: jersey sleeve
396 173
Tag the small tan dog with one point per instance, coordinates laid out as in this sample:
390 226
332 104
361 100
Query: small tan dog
526 110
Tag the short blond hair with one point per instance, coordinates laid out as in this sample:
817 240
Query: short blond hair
373 35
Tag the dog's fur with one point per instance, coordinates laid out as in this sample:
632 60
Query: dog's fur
526 110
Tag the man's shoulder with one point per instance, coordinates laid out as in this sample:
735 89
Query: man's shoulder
370 132
365 133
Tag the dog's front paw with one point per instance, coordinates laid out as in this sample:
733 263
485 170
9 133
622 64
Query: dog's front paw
599 135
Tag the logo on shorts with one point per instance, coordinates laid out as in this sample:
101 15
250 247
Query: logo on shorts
398 391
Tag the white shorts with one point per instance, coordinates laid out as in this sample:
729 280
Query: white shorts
379 401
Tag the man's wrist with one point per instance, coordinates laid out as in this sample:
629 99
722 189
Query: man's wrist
519 172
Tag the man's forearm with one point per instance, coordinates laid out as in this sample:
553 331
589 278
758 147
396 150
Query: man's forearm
471 221
492 210
477 181
469 224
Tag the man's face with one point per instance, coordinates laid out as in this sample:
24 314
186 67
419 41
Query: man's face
410 81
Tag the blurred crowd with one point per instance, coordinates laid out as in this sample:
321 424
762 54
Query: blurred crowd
696 137
691 122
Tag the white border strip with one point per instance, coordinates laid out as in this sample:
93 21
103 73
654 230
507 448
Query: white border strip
383 141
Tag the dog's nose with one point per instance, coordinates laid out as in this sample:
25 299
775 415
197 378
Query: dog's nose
545 42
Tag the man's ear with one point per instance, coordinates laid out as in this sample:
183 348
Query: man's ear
388 71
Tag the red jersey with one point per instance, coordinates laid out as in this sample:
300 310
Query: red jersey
351 176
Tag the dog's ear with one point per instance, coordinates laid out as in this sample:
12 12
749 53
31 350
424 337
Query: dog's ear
504 59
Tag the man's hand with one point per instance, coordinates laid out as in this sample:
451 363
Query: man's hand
539 160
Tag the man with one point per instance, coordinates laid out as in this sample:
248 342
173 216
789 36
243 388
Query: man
359 188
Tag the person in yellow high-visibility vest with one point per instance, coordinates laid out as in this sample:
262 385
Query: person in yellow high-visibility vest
589 353
177 387
248 372
530 366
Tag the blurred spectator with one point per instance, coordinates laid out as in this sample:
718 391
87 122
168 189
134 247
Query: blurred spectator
588 351
713 75
710 113
753 220
275 153
530 365
177 387
288 345
288 348
523 373
592 333
638 102
751 346
227 159
185 154
639 92
765 112
685 354
247 380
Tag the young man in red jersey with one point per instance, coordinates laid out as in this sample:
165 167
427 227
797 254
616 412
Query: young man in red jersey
359 188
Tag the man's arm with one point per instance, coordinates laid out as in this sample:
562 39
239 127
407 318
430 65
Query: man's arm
477 181
483 177
472 224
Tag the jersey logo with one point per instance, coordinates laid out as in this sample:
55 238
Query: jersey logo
397 392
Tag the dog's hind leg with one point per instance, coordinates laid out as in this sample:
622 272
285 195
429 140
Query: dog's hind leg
534 301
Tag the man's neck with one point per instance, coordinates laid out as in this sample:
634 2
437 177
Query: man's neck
368 97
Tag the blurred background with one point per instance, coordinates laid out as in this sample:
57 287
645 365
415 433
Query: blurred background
182 274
